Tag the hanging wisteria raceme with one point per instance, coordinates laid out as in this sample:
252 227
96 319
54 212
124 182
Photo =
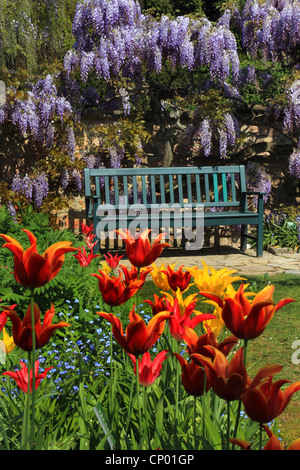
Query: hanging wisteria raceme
258 180
270 28
291 111
288 108
35 189
34 116
208 131
294 162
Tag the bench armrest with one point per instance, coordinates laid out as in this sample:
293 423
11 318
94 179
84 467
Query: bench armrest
260 200
253 193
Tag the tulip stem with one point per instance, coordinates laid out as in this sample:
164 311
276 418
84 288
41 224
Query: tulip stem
228 424
33 371
203 411
138 397
260 436
175 343
26 414
240 401
194 422
146 415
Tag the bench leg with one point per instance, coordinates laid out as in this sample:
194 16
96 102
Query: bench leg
259 246
244 231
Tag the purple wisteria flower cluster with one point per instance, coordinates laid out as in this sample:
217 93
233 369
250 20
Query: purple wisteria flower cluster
114 36
270 28
291 111
35 189
294 162
35 115
209 130
258 180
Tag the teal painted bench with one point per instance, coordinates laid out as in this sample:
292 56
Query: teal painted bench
215 196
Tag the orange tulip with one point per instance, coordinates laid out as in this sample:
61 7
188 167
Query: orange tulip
192 377
263 400
245 319
114 289
139 336
139 250
228 379
22 329
32 269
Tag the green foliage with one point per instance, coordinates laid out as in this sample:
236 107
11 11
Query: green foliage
125 134
281 229
43 35
171 7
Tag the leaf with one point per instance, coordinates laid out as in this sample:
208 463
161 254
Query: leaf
104 424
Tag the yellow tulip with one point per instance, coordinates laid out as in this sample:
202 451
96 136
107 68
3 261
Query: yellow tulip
105 267
215 324
159 278
183 303
8 343
215 281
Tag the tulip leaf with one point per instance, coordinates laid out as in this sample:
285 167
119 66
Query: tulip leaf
104 424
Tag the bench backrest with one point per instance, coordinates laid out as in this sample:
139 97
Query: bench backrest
217 186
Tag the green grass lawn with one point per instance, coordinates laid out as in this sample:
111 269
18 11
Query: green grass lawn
275 345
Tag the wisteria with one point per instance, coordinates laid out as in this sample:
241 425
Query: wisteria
34 116
115 36
34 189
294 163
270 28
206 136
291 111
258 180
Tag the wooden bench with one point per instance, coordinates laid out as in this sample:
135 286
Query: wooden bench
217 194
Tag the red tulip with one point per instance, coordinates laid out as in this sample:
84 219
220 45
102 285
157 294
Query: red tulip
139 250
22 329
84 259
228 379
135 274
21 376
32 269
196 344
139 336
192 377
3 315
159 304
86 229
178 323
245 319
114 289
149 370
177 279
263 400
113 261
